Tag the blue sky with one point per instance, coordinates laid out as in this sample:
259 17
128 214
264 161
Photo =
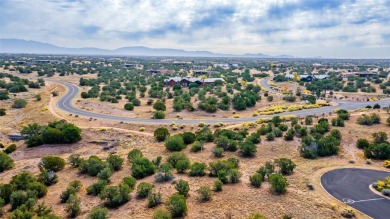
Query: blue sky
305 28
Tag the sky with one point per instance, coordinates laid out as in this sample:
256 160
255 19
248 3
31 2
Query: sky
302 28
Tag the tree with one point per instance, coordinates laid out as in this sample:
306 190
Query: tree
256 180
198 169
6 162
247 149
278 183
286 165
129 106
73 206
162 214
115 195
154 199
362 143
175 143
159 114
159 105
205 193
379 137
52 163
19 103
177 205
144 189
161 134
98 213
3 112
182 187
188 137
142 167
115 162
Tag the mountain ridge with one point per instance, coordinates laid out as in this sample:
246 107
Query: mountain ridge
35 47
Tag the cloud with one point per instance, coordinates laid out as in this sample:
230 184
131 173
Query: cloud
297 27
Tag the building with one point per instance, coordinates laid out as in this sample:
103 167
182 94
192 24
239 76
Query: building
186 81
307 78
15 136
155 72
359 74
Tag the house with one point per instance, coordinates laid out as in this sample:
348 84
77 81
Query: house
186 81
306 78
14 136
155 72
359 74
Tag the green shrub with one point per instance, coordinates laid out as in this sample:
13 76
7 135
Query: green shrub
270 136
218 152
98 213
256 216
115 162
6 162
308 120
115 196
266 170
133 154
247 149
182 187
73 187
130 182
256 180
177 205
3 112
129 106
278 183
18 198
162 214
289 136
379 137
175 157
198 169
159 114
73 206
160 134
19 103
159 105
285 165
154 199
175 143
338 122
283 127
48 177
92 166
21 180
205 193
254 138
164 173
336 133
75 160
182 166
52 163
39 188
96 188
144 189
362 143
11 148
105 174
218 185
188 137
142 167
197 146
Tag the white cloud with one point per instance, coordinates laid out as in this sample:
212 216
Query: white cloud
297 27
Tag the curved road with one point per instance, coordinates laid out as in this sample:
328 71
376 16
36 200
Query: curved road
264 83
351 186
65 104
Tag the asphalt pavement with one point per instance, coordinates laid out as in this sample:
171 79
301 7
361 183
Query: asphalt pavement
351 186
65 104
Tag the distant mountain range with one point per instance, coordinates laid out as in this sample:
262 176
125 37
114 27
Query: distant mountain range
34 47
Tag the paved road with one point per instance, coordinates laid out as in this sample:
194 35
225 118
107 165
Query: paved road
264 83
351 186
65 104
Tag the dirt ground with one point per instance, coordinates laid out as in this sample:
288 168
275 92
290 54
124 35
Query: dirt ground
235 201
